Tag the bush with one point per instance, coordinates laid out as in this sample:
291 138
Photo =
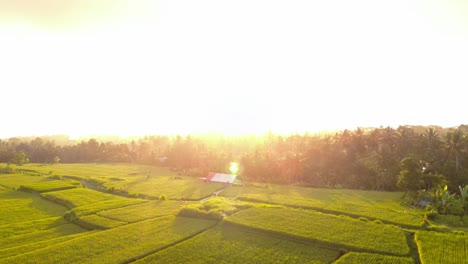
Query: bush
7 170
163 197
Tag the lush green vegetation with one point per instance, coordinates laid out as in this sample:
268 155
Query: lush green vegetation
47 234
49 186
226 244
359 258
143 211
19 228
330 230
14 181
385 206
134 180
18 207
359 159
442 248
80 197
29 247
117 245
257 222
98 222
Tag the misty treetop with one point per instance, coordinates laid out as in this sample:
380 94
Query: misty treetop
372 158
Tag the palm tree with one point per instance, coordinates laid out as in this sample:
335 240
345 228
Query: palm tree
454 142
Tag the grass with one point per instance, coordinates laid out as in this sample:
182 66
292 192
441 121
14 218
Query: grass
28 247
384 206
49 186
227 244
133 179
118 245
14 181
20 228
34 237
79 197
93 208
359 258
329 230
144 211
98 222
445 248
19 207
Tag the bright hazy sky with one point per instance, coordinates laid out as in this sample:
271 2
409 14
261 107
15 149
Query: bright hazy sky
135 67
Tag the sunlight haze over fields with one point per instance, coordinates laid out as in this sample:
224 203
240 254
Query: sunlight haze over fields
148 67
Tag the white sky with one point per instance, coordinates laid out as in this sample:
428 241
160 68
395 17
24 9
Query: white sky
147 67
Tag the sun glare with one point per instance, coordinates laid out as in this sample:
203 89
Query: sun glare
234 167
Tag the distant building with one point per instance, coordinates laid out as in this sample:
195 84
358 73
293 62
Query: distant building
219 177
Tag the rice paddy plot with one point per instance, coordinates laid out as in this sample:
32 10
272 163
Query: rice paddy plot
20 228
34 237
143 211
49 186
79 196
447 248
13 181
98 222
28 247
385 206
329 230
18 207
92 208
359 258
227 244
118 245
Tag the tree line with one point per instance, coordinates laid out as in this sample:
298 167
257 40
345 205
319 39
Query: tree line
364 158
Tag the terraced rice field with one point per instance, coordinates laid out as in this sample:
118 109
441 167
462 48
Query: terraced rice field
249 224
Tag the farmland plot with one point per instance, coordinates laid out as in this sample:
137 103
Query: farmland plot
330 230
375 205
13 181
117 245
79 197
143 211
442 248
359 258
18 207
227 244
49 186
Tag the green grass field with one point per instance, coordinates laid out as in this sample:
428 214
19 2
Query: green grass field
360 258
143 211
18 207
228 244
444 248
374 205
133 179
50 186
256 223
332 231
13 181
117 245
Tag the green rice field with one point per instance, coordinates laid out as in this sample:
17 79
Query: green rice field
124 213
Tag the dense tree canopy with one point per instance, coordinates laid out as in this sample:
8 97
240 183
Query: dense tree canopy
361 159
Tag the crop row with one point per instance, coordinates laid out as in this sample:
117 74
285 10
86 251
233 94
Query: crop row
97 222
359 258
78 197
330 230
17 207
93 208
34 237
143 211
390 214
442 248
28 247
118 245
20 228
49 186
227 244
